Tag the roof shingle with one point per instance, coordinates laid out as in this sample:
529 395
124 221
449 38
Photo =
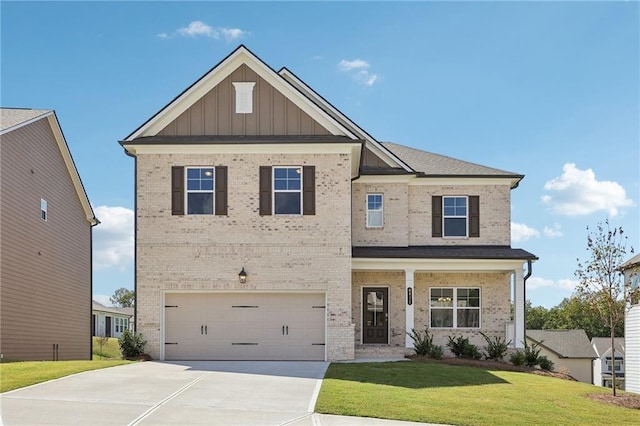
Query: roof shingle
566 343
10 117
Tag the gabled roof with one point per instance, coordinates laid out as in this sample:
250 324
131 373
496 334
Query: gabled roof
215 75
383 153
14 118
565 343
96 306
603 345
631 263
429 164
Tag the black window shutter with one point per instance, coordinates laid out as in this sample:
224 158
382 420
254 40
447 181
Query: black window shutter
221 190
474 216
265 190
436 216
309 190
177 190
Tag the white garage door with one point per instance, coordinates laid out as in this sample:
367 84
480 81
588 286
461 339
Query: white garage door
242 326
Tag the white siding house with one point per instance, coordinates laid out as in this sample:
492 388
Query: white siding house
602 366
632 328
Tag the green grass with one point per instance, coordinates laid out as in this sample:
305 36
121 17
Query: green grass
14 375
110 350
440 393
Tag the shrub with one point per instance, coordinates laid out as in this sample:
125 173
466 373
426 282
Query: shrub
531 354
423 344
545 363
517 358
131 344
462 348
496 347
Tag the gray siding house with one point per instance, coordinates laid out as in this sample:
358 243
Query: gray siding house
45 250
270 226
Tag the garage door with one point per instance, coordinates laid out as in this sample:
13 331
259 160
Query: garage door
241 326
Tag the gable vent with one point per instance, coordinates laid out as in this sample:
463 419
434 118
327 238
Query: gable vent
244 97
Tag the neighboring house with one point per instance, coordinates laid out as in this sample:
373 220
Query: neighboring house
630 270
270 226
570 351
602 366
45 255
109 321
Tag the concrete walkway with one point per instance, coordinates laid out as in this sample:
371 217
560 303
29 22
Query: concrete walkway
179 393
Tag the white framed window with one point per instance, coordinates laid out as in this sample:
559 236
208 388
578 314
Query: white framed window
454 307
287 190
375 217
200 191
618 364
43 209
454 217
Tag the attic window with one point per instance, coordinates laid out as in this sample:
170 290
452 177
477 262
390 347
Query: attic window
244 97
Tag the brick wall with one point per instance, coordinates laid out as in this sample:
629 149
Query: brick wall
280 253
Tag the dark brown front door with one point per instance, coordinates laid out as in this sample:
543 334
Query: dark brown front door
107 326
375 308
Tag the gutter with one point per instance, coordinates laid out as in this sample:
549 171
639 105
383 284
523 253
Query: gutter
524 289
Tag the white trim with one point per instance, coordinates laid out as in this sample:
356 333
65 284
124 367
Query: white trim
239 57
26 122
244 97
187 191
384 179
274 190
459 181
454 307
409 278
466 217
436 265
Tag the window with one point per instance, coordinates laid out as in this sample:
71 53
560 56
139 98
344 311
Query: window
454 307
618 364
454 216
200 193
287 190
374 211
43 209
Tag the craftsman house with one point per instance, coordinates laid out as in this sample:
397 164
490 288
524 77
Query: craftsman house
269 226
45 255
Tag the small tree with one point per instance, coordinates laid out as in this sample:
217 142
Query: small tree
600 282
102 340
123 298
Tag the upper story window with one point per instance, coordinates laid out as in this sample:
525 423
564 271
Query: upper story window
374 211
454 216
200 190
454 307
618 364
43 209
287 190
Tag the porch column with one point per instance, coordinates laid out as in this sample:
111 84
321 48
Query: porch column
519 324
408 289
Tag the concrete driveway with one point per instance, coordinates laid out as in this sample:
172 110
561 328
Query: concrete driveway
179 393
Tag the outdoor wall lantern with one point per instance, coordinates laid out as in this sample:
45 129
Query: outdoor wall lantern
242 276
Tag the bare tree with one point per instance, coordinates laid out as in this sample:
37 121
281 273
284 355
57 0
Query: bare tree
102 340
601 283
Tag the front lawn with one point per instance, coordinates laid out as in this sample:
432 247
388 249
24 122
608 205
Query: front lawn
14 375
110 349
458 395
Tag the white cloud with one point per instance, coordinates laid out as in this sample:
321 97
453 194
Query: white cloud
552 232
345 65
577 193
200 29
538 282
113 240
359 69
521 232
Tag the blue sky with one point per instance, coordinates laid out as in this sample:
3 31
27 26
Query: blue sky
550 90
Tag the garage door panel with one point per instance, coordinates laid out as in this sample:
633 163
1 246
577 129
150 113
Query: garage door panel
245 326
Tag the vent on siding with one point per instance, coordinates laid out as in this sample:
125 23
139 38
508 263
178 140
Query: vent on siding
244 97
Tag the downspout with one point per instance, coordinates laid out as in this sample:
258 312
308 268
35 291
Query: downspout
94 222
524 290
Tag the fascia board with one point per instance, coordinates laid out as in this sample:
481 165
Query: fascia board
375 146
221 71
462 180
384 179
436 265
71 168
26 122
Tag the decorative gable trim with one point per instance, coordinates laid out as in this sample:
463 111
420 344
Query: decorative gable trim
213 77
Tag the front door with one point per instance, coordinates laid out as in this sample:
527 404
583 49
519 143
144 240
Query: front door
107 326
375 308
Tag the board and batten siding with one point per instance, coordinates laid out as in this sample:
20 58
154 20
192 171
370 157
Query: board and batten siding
632 350
214 113
45 267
